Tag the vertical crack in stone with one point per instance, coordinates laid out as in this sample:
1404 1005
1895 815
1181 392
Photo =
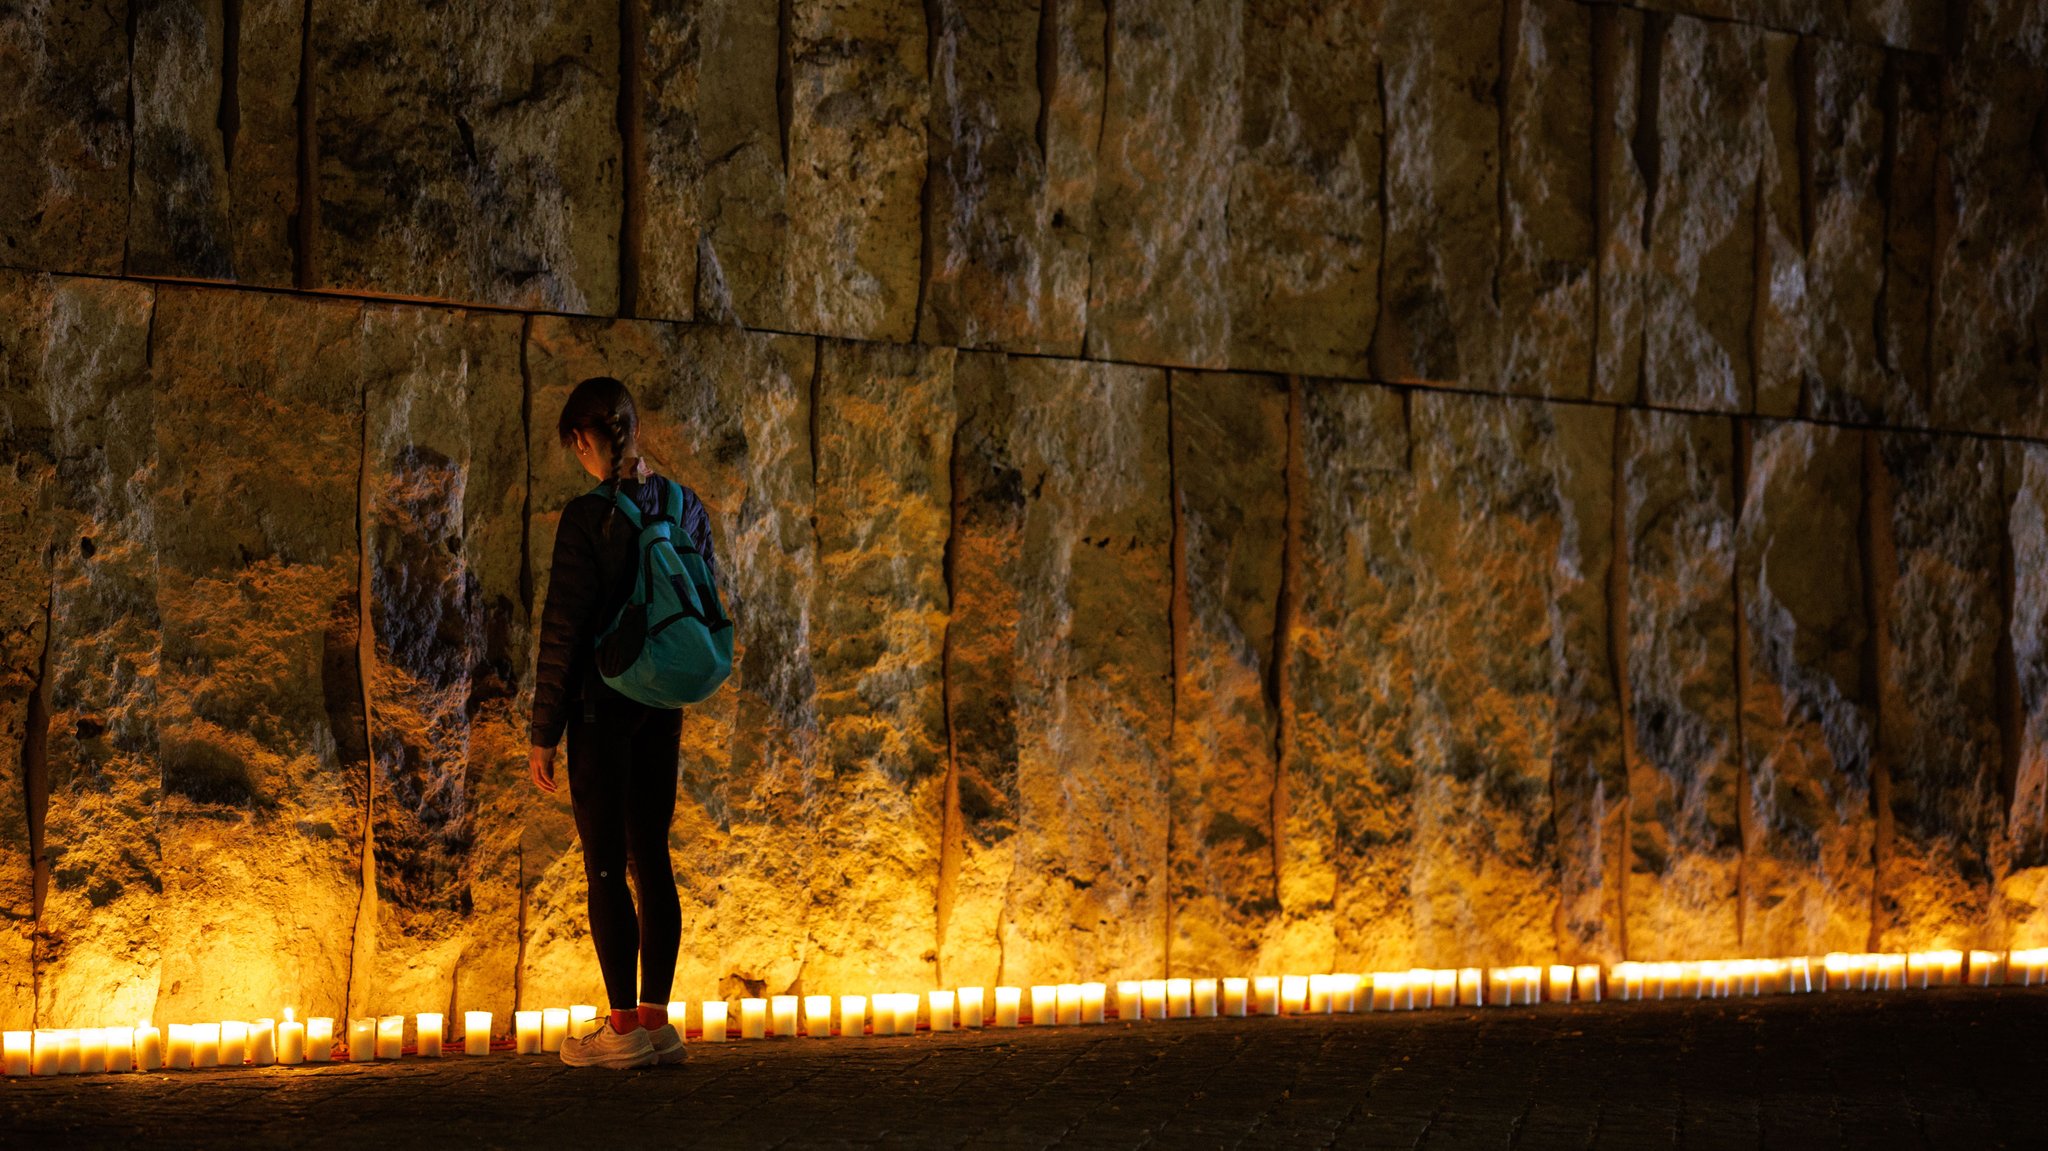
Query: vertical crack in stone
526 449
1880 572
1108 73
1648 144
229 119
1887 167
519 958
785 78
305 218
1617 666
934 23
1745 816
952 829
363 942
633 149
35 782
1048 73
1604 110
817 385
1278 687
1503 83
129 211
1373 357
1804 98
1760 290
2011 712
1177 640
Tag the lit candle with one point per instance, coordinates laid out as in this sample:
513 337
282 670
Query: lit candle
1293 994
753 1018
582 1019
234 1043
1180 998
1007 999
391 1037
263 1042
1984 968
291 1041
715 1026
1266 994
1129 993
1586 985
427 1031
206 1045
1152 998
1234 996
1948 966
1894 967
120 1048
362 1041
906 1013
941 1010
1318 994
782 1016
18 1048
1443 989
1421 986
1631 980
476 1033
1343 994
818 1016
1092 995
1716 980
320 1037
1497 989
1044 1004
48 1053
1070 1004
92 1050
1471 987
554 1026
883 1021
1381 991
525 1033
1205 998
1688 980
971 1015
149 1047
853 1015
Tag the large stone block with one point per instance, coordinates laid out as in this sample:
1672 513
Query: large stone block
445 490
1016 107
1304 215
2014 30
884 444
64 136
1938 531
1685 772
1992 270
729 414
1511 516
261 730
2023 883
1231 449
469 152
715 141
96 946
1808 732
1059 671
216 139
1159 289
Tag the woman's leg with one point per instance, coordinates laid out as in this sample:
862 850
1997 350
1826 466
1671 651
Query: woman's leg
599 755
649 810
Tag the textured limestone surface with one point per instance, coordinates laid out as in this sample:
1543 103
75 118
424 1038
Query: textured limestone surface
1063 636
2023 888
469 152
715 163
728 413
1915 24
1809 739
445 490
1939 519
1992 285
1684 777
96 945
1016 110
884 447
65 135
262 741
1231 441
1158 292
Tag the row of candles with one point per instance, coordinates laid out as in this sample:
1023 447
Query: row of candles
265 1042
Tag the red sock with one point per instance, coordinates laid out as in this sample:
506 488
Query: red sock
654 1016
625 1021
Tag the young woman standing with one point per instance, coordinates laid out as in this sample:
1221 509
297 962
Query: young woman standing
622 754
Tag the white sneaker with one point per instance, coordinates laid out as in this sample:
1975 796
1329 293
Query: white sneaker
668 1044
605 1047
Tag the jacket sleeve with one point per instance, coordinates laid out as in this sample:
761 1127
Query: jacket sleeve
573 587
697 521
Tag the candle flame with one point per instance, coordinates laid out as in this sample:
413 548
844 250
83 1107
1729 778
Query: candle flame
287 1015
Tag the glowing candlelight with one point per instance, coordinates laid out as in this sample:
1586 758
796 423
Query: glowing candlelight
1293 994
554 1026
853 1015
1586 985
818 1016
906 1013
1318 994
1986 968
582 1019
971 1014
754 1018
391 1037
1007 999
263 1042
234 1043
1380 992
941 1010
1092 995
149 1047
1234 996
427 1032
1266 994
17 1052
1204 998
291 1041
92 1049
1152 998
119 1044
525 1034
476 1033
1044 1004
48 1052
362 1040
206 1045
882 1018
715 1025
1471 985
1560 985
320 1037
1421 987
782 1016
1343 994
1180 998
1129 996
1687 978
1069 1004
1443 988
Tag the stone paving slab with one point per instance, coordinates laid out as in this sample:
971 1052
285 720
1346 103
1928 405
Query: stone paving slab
1952 1068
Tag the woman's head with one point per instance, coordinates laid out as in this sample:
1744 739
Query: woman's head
599 424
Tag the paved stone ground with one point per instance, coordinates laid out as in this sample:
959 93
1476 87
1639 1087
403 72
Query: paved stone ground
1954 1068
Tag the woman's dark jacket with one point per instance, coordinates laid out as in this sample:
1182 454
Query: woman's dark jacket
590 578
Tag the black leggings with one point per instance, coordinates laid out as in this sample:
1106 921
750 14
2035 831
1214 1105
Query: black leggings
622 784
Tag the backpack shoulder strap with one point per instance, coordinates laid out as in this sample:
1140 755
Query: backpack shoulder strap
623 502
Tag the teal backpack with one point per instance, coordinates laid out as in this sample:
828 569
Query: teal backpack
671 643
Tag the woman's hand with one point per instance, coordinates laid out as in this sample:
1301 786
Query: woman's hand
541 762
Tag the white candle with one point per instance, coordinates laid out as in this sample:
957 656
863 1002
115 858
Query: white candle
1383 985
69 1055
941 1010
1560 989
818 1016
476 1033
206 1045
320 1038
234 1043
1688 981
120 1047
582 1019
149 1047
525 1033
1092 995
1984 968
92 1050
391 1037
1204 998
362 1041
753 1018
853 1015
1070 1004
291 1041
1234 996
1471 987
971 1011
263 1042
1293 994
1586 983
1319 994
1421 988
782 1016
1152 998
906 1013
1128 996
554 1026
1180 998
1343 994
427 1031
48 1052
714 1020
1266 994
1044 1004
1007 999
18 1049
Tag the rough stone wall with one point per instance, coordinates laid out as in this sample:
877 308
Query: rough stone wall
1261 485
